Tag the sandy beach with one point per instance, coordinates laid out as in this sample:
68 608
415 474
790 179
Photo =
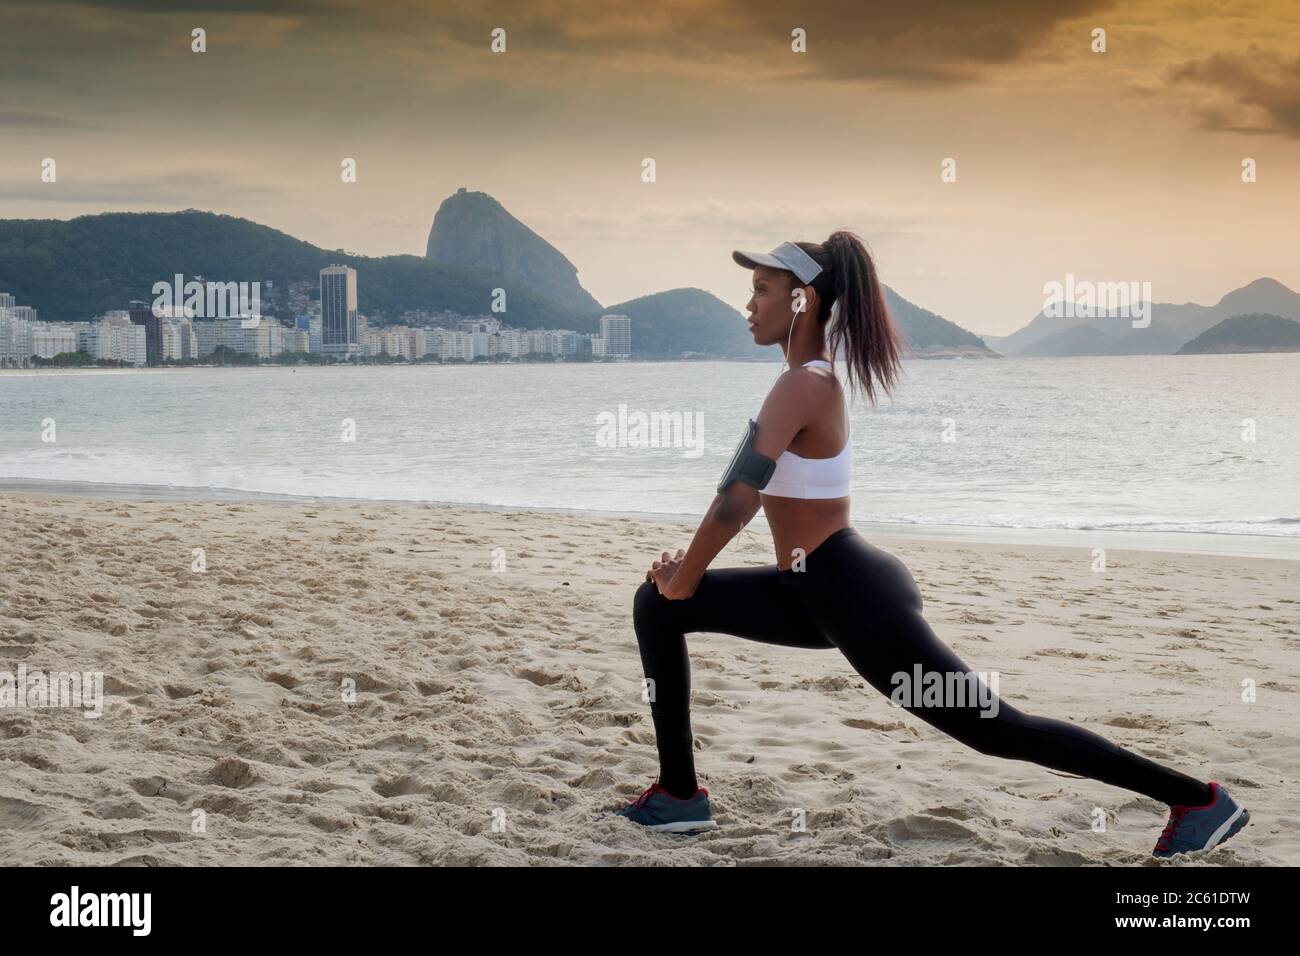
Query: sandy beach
497 709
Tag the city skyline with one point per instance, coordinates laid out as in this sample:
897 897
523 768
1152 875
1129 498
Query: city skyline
184 331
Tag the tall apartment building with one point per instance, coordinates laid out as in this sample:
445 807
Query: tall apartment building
453 344
52 338
142 314
338 311
265 340
420 345
15 338
616 335
297 340
16 324
113 336
177 340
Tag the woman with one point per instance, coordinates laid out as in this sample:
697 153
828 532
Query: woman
830 587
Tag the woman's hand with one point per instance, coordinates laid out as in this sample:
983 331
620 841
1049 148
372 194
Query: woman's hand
664 574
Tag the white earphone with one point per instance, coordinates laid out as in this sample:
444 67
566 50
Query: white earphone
835 311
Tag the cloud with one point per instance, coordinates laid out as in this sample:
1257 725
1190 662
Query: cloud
940 42
936 42
1258 91
18 119
177 188
747 223
411 60
165 7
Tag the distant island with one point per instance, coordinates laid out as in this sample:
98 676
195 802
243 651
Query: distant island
1168 329
1247 333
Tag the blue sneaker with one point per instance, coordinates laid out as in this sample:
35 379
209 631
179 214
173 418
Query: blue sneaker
657 809
1201 828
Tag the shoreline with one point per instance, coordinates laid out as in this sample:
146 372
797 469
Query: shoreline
1275 547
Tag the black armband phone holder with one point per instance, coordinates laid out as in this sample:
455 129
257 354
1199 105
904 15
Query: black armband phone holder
747 465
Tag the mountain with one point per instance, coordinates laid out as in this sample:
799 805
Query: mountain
471 230
685 320
74 269
1042 336
1172 325
1076 340
1085 339
1263 296
1158 338
1247 333
669 323
932 336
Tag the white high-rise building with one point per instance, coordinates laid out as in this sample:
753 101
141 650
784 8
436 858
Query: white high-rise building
15 338
297 340
508 342
419 343
113 336
454 344
211 334
534 342
18 325
88 338
265 340
52 338
178 340
616 335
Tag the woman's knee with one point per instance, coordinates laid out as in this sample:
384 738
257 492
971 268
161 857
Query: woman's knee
648 603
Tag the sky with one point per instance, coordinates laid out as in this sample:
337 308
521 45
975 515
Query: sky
1123 165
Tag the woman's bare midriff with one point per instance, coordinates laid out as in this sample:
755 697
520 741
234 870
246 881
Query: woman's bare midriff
802 523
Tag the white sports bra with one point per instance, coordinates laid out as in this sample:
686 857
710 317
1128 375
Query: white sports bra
797 477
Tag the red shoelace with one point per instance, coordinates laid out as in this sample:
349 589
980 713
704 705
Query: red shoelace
1176 815
649 792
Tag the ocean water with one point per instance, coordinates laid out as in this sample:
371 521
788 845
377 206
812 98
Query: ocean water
1203 444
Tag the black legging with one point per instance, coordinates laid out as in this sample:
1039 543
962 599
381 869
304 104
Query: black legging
862 600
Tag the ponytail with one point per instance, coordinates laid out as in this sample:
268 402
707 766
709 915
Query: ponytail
848 285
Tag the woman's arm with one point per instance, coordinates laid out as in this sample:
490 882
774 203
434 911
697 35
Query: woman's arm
780 419
729 512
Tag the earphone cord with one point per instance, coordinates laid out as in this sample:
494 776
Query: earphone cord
788 338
